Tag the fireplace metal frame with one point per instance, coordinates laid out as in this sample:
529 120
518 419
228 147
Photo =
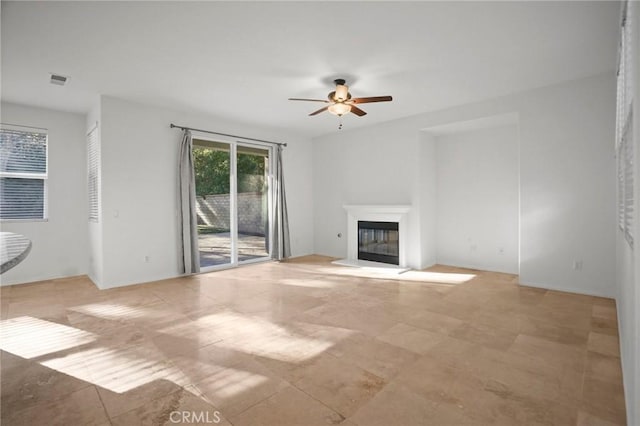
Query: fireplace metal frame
378 257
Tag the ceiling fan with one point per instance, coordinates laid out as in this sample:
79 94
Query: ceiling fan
340 101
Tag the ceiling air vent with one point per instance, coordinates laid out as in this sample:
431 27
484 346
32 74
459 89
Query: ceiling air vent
60 80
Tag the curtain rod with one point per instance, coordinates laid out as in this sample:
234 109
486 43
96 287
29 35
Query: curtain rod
225 134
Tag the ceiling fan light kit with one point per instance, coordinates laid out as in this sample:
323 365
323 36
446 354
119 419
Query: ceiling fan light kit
339 109
340 101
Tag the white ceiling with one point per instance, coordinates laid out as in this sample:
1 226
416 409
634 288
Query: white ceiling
242 60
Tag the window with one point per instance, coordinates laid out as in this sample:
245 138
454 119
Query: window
23 174
624 129
93 174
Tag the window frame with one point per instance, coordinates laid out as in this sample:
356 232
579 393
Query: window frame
22 175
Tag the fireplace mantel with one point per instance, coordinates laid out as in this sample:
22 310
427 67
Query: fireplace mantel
377 209
380 213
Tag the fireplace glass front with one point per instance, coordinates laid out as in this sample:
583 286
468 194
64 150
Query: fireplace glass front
378 242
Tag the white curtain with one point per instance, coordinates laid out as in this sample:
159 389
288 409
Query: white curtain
190 259
280 225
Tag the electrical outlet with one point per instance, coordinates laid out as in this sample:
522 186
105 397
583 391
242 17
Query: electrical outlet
147 259
501 251
577 265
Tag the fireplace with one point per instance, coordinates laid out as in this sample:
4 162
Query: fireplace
379 242
393 241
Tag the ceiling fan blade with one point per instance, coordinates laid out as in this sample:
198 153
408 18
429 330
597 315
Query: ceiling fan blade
357 111
319 111
370 99
310 100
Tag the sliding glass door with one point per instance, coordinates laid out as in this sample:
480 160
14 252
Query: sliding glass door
212 166
232 202
252 183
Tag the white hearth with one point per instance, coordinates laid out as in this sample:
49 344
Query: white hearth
376 213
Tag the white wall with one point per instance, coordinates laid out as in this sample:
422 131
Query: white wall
628 265
139 188
59 245
477 199
426 186
376 165
567 186
567 192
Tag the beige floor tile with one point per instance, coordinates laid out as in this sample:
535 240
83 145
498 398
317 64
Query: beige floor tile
603 367
464 312
604 326
457 353
586 419
468 295
411 338
554 333
504 320
198 363
337 384
604 301
82 407
526 409
532 375
117 403
236 388
395 405
554 353
369 320
430 321
26 384
435 380
604 400
380 358
41 308
529 296
604 311
184 406
604 344
561 310
288 407
561 298
484 335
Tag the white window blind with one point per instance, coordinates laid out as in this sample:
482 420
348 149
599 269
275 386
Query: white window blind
23 174
624 129
93 174
627 147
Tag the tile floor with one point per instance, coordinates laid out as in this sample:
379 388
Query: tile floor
308 343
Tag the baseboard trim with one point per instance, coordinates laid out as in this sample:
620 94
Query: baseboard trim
564 289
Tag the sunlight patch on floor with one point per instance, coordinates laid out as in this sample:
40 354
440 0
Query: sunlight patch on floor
436 277
306 283
116 312
118 369
230 382
426 277
120 312
30 337
259 336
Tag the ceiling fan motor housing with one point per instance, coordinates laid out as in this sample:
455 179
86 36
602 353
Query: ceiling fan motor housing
341 93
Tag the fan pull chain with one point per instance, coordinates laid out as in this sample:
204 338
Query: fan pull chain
340 124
